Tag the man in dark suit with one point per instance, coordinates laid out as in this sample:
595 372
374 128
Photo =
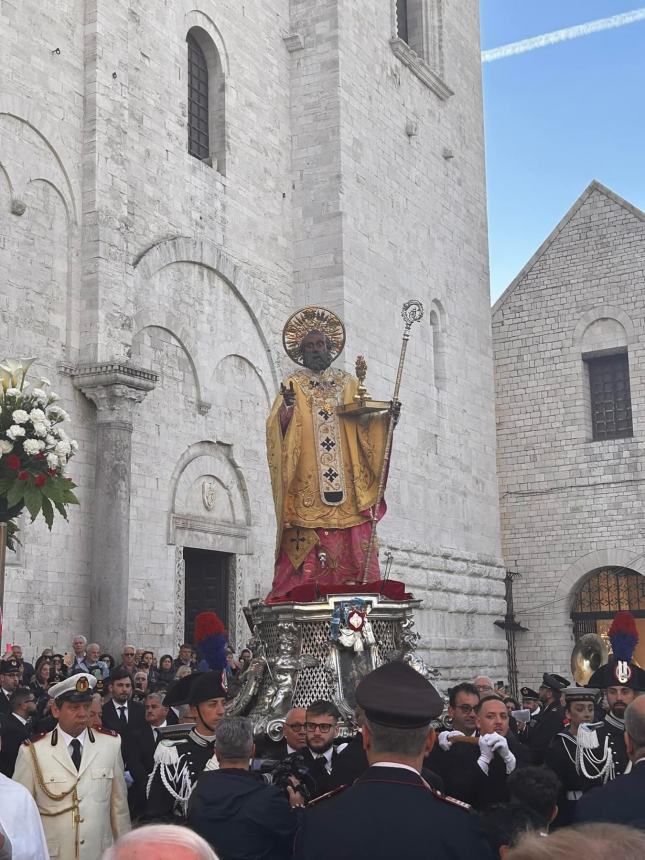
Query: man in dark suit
120 713
391 811
9 682
621 800
16 727
320 755
551 719
140 750
294 737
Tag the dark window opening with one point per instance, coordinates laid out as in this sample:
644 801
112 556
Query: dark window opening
198 142
611 404
402 19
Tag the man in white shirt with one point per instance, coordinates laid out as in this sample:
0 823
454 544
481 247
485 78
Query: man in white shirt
20 820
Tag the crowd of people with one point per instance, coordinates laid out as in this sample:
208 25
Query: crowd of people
136 756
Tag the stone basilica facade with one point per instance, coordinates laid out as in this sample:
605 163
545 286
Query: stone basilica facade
175 179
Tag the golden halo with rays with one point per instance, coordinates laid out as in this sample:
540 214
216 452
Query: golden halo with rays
308 319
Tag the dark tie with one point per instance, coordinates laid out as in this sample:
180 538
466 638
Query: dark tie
122 718
77 751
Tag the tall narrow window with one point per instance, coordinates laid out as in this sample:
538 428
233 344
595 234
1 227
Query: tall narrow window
402 19
610 396
198 123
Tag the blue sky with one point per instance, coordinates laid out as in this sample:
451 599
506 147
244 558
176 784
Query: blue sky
556 118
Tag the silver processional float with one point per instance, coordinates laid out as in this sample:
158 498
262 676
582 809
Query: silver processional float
339 619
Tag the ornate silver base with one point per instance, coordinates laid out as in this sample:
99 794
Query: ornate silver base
308 651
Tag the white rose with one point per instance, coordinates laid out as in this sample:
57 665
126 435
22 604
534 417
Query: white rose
52 398
63 448
39 393
20 416
52 461
15 431
13 392
59 413
5 447
50 441
32 446
37 415
40 429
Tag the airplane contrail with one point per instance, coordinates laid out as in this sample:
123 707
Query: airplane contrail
562 35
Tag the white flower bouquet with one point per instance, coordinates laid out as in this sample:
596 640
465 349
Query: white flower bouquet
34 448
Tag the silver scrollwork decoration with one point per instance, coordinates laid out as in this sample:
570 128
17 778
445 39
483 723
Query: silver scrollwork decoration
412 311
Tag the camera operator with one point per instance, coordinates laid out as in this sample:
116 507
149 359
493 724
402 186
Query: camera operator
235 810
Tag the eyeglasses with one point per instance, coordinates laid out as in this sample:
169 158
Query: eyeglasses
323 728
128 653
297 727
483 688
465 709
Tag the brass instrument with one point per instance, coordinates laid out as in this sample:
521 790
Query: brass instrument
589 653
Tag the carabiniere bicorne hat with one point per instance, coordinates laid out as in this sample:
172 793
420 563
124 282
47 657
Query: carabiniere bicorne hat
398 696
76 688
195 689
620 671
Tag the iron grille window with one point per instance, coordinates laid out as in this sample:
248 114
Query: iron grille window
198 142
605 593
611 405
402 19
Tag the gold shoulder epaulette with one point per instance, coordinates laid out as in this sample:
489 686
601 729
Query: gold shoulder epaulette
103 731
326 796
448 799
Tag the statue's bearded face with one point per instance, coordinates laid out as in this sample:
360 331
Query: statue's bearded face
316 353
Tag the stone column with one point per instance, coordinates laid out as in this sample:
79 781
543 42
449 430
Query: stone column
115 389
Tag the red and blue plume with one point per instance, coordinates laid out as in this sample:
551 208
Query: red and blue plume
623 636
211 638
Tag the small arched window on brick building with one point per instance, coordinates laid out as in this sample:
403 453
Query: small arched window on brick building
206 100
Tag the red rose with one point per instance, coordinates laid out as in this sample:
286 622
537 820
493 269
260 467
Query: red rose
52 472
40 480
39 456
23 476
13 461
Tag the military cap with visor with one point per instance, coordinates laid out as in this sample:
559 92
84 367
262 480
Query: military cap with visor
10 667
76 688
397 696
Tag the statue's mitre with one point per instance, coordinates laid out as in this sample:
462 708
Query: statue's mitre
312 319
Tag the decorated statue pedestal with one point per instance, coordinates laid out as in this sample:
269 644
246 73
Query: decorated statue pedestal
320 650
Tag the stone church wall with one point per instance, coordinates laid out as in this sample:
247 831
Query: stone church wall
569 505
153 287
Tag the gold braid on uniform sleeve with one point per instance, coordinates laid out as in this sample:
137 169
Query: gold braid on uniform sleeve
50 794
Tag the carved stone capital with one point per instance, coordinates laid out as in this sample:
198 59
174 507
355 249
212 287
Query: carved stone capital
115 389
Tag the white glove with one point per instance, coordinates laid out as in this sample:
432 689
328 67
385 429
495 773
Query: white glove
128 778
445 741
486 751
501 748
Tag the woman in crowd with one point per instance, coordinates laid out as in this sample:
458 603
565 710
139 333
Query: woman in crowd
42 677
164 674
109 661
59 669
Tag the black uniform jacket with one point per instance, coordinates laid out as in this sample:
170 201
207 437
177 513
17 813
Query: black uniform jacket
560 757
194 752
5 707
549 723
615 730
139 750
464 779
242 817
619 802
390 812
13 733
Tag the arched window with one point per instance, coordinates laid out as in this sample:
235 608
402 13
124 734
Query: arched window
605 593
198 127
438 326
206 100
